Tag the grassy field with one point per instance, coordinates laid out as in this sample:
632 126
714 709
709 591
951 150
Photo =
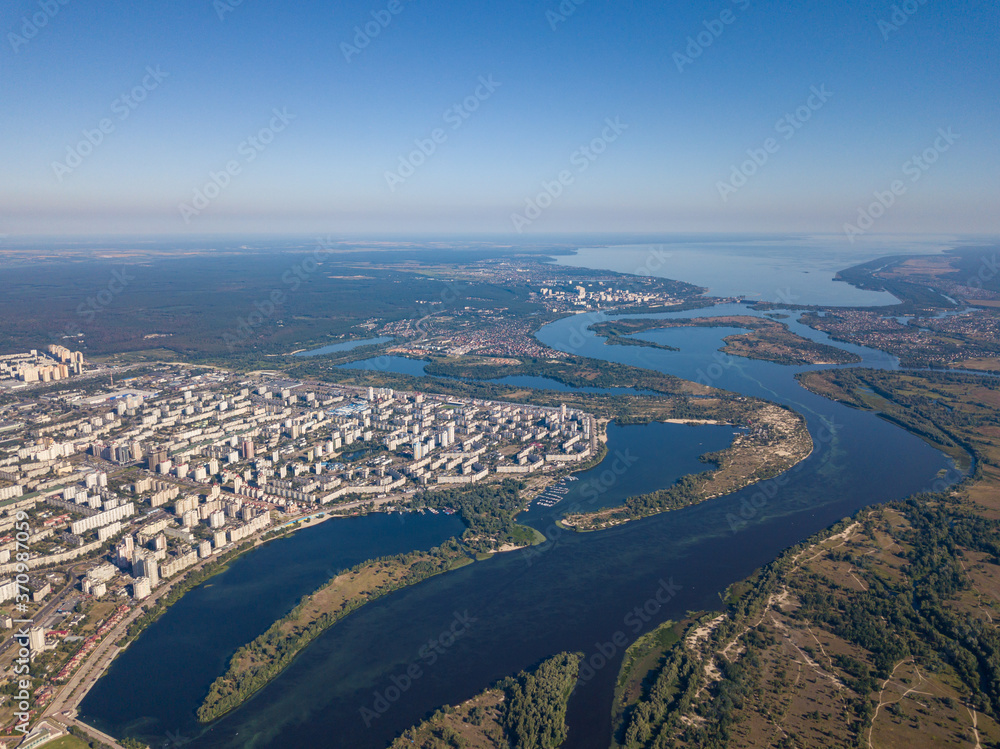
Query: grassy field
777 441
987 364
256 663
765 339
526 711
878 633
475 724
643 659
68 742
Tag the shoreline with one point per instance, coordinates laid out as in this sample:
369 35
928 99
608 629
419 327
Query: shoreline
291 526
365 599
762 339
899 538
313 628
612 516
68 697
104 656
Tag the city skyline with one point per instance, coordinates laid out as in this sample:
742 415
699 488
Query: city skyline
551 374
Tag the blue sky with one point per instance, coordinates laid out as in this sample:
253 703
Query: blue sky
343 154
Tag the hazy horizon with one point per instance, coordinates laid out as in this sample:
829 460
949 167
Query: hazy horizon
382 116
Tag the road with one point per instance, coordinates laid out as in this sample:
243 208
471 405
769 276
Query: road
45 611
68 697
423 333
90 670
93 733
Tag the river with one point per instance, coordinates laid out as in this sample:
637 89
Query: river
335 348
573 593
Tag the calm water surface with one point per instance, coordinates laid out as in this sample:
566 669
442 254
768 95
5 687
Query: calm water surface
347 346
153 687
572 593
796 270
397 364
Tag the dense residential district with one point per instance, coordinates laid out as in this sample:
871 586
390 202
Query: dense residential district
110 492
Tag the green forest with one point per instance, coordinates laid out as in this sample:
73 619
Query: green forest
916 601
489 510
256 663
526 711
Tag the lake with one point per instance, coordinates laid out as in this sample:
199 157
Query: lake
333 348
575 592
795 270
387 363
170 667
641 459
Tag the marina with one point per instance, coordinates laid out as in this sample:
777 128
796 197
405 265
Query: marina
555 493
587 581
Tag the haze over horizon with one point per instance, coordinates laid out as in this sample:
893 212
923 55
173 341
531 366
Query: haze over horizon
545 374
535 117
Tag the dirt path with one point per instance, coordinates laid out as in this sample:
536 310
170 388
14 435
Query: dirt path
702 633
884 703
818 669
979 593
857 579
880 702
779 598
975 727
